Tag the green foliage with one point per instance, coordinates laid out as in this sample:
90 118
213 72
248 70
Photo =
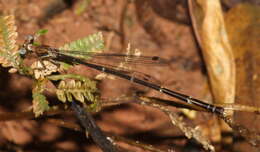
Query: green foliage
38 34
8 34
70 86
40 104
77 87
41 32
82 6
91 44
83 47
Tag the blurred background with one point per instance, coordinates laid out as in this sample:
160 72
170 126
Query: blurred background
157 28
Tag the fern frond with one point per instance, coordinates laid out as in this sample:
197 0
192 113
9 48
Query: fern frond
91 43
83 91
8 46
40 103
43 69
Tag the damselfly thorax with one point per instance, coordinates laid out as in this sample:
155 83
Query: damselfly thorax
69 57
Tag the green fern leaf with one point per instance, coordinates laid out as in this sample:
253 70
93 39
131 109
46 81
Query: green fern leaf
81 91
40 104
77 87
92 43
41 32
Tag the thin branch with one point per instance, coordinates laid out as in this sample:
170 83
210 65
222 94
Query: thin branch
95 132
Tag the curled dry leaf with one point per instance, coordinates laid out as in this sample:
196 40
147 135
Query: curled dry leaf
41 69
209 26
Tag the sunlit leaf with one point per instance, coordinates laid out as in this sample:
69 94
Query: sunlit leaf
91 43
8 46
40 104
43 69
81 91
72 86
41 32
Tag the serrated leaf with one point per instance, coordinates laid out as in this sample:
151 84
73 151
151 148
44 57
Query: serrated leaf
78 96
91 43
8 33
8 46
40 104
77 87
69 96
83 91
61 96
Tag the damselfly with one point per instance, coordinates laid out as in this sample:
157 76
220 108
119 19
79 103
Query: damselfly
45 52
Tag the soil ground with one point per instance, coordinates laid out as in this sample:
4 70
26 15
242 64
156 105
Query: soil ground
153 28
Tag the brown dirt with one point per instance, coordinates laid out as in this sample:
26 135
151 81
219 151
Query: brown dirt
152 28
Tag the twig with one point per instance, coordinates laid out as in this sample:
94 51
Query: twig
188 131
75 127
95 132
8 116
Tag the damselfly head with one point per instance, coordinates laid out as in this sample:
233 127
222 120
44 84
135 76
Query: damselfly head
24 50
27 46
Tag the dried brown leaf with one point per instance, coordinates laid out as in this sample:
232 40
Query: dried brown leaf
41 69
244 31
209 26
210 30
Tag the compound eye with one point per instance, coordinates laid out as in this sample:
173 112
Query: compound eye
22 52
